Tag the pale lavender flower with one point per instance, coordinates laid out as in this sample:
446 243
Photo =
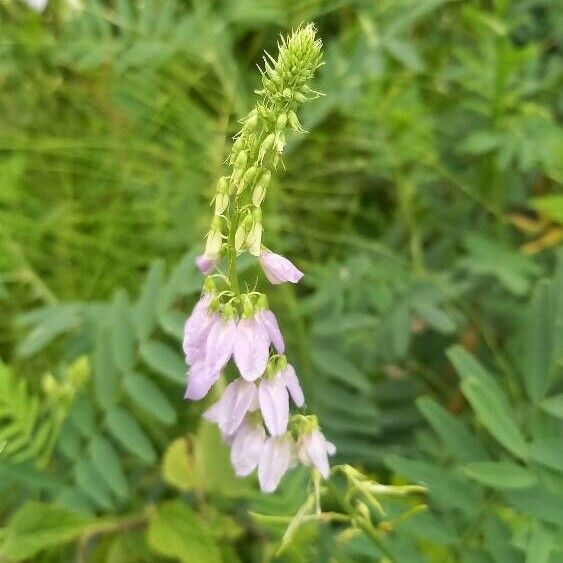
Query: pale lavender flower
37 5
197 329
270 323
273 399
220 344
276 458
200 381
290 380
251 348
206 264
279 269
247 447
239 397
313 449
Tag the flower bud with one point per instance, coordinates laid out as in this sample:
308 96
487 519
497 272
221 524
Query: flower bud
242 232
294 122
266 145
240 167
238 145
280 142
221 203
254 238
247 179
258 194
281 121
214 239
251 121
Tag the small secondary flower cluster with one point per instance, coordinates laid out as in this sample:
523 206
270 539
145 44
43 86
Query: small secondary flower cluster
253 413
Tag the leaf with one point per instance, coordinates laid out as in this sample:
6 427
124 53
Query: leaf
149 397
83 416
178 465
538 342
92 485
146 309
538 502
107 463
126 430
540 544
548 452
553 405
175 531
37 526
481 142
493 410
435 317
339 367
105 374
164 360
500 474
550 205
123 334
465 363
184 280
455 435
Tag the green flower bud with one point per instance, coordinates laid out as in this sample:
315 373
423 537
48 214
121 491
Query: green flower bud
281 121
258 194
238 145
221 203
247 179
242 232
266 145
294 122
214 239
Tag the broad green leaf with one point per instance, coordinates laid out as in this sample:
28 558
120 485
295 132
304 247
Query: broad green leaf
83 416
495 413
339 367
37 526
93 486
149 397
540 544
164 360
175 531
553 405
105 375
455 435
500 474
123 332
146 309
538 502
548 452
107 463
126 430
178 465
435 317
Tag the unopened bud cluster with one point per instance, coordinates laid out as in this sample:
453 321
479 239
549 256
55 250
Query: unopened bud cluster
253 412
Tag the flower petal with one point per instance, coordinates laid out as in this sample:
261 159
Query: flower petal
199 381
274 462
315 446
274 404
290 380
220 342
247 448
279 269
251 348
244 399
268 319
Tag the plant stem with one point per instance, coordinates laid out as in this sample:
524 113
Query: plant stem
231 252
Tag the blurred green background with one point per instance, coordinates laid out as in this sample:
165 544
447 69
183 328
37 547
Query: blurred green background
424 205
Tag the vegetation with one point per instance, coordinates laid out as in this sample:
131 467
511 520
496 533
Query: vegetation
424 206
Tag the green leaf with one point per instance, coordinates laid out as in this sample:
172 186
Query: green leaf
184 280
178 465
553 405
146 309
123 333
107 463
164 360
105 374
500 474
455 435
435 317
548 452
550 205
83 416
126 430
37 526
540 544
465 363
90 482
149 397
175 531
494 412
538 342
481 142
340 368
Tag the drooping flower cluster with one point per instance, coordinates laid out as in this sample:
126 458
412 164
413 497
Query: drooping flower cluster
253 413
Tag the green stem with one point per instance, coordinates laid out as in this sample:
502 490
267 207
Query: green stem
231 252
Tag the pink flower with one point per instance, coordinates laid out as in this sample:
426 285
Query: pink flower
239 397
197 328
220 344
270 323
290 380
200 381
275 460
279 269
251 348
313 449
273 399
247 447
206 264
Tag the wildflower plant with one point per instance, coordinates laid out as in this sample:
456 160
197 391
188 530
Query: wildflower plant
253 413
